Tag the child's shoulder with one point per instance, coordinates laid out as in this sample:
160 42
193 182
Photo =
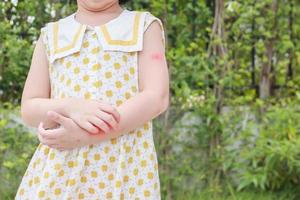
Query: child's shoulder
147 16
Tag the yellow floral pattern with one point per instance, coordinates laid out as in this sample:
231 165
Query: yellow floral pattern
122 168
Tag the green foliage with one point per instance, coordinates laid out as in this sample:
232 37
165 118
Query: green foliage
17 145
246 150
271 159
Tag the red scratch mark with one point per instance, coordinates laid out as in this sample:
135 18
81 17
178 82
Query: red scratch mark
157 56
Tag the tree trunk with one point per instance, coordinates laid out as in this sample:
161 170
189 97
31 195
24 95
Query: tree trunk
265 76
217 50
253 54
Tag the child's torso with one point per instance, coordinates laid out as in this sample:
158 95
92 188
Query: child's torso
96 63
93 73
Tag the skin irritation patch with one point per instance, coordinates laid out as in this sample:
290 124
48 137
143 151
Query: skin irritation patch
157 56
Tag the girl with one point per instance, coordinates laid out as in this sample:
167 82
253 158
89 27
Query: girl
97 79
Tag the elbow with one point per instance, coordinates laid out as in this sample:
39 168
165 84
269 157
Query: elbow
25 116
164 103
159 101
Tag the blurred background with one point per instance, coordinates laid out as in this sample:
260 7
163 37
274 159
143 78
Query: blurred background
232 131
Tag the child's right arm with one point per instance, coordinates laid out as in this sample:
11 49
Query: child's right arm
36 101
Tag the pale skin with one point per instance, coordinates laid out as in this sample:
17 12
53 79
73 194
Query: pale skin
84 122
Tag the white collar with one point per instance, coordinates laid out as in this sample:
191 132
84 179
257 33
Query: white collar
123 33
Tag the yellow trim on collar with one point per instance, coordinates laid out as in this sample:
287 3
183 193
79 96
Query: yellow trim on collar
68 47
134 39
70 43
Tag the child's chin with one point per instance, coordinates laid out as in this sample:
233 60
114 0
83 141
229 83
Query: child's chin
96 5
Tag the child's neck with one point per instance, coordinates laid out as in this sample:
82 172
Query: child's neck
98 17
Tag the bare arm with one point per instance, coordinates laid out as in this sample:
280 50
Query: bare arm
153 98
35 100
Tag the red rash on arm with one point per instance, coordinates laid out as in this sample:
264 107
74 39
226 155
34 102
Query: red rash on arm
157 56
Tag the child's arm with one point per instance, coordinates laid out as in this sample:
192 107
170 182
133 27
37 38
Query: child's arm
153 98
35 100
36 103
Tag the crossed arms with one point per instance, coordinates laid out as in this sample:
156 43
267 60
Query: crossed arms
84 121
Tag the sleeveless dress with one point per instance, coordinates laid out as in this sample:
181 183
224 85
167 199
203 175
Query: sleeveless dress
96 63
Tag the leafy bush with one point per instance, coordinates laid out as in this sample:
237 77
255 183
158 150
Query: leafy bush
17 145
269 158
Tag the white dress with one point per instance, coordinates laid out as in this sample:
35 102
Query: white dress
96 63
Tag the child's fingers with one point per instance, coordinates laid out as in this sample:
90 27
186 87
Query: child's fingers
45 141
108 118
99 123
88 126
64 121
51 133
110 110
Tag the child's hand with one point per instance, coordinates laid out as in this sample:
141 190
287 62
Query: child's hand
68 136
93 115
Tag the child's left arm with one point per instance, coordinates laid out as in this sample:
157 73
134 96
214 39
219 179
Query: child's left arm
153 98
